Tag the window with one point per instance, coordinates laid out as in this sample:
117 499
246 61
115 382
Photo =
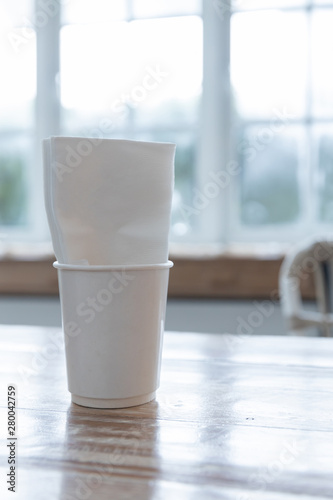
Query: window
17 96
137 76
243 87
282 102
125 69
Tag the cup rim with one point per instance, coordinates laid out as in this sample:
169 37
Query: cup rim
112 267
109 140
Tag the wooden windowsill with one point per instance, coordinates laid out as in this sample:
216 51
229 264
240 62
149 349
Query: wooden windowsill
207 272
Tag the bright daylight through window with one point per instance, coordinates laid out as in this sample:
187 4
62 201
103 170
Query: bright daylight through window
242 87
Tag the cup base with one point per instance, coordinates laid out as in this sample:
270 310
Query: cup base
113 403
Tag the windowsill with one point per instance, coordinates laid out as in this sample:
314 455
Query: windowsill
203 271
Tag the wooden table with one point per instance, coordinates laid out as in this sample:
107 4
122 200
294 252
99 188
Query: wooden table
246 418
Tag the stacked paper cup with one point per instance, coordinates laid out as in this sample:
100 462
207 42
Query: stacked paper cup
108 204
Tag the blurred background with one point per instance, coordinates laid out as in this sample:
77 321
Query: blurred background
243 87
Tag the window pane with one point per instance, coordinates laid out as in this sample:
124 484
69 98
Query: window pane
269 181
268 70
92 11
322 70
18 78
17 110
170 70
15 162
118 70
94 72
265 4
147 8
13 15
325 173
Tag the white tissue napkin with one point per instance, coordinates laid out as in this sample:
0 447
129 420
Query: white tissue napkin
108 201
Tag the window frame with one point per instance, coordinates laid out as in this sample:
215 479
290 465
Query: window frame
219 220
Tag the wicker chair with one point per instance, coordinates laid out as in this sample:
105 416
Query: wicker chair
312 257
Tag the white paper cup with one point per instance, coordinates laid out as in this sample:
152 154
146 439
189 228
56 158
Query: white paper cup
121 188
113 321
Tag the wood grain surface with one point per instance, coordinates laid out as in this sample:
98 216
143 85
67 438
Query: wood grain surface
247 418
